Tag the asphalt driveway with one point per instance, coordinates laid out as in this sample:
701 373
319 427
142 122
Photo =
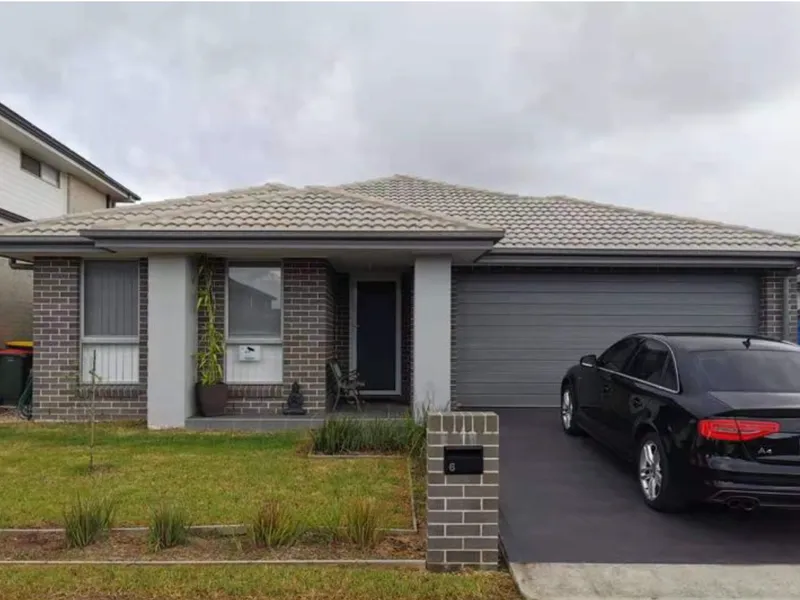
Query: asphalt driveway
566 500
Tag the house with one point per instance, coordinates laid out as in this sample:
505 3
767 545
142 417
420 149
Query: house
438 294
40 178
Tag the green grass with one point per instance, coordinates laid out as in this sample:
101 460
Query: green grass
216 478
251 582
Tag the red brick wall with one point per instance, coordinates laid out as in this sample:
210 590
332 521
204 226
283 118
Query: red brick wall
57 394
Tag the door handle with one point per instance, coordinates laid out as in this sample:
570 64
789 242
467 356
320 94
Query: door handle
606 388
636 402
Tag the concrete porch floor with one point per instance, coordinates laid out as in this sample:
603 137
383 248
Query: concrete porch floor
372 409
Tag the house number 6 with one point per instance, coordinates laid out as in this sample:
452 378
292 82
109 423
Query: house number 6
451 467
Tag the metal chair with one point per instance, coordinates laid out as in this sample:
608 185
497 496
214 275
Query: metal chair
345 386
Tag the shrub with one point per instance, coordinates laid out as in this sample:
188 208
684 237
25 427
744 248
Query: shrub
274 526
169 527
85 521
379 436
362 522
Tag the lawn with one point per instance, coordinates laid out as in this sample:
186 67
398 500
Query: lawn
252 582
218 478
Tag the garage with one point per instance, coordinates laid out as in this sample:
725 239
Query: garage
516 333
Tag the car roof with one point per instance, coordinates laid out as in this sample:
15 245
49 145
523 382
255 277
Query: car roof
696 342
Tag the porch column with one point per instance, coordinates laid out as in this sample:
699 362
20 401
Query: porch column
431 369
172 341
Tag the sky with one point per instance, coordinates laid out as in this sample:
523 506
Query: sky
692 109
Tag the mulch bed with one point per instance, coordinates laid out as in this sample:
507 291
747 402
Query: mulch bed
125 545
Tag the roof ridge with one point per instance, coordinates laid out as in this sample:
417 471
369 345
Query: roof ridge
670 217
411 209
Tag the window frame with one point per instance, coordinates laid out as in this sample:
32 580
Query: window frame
257 339
24 155
641 341
636 342
110 339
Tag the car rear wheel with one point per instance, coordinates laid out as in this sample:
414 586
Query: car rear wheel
568 411
660 491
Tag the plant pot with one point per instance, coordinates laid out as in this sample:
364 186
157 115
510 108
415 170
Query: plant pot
211 399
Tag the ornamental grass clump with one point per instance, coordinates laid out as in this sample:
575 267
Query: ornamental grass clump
169 527
362 523
275 526
86 521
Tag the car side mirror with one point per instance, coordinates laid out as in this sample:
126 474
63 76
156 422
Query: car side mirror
590 360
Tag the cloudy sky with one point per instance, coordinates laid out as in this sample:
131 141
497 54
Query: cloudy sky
686 108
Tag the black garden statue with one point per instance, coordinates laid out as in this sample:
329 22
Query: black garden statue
294 403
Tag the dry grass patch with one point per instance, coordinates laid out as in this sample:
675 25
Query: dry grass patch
251 582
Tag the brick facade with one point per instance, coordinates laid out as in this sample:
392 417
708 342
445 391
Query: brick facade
309 312
57 392
463 511
772 296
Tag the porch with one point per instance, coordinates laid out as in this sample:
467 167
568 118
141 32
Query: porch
285 319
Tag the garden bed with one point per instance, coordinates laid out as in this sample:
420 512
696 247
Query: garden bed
133 546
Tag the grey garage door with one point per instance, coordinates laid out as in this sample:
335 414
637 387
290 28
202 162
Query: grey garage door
516 334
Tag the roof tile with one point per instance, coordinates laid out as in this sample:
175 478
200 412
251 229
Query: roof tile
562 223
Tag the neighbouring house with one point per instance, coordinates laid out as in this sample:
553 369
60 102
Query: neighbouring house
439 295
40 178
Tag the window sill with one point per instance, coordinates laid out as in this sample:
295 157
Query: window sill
254 341
99 339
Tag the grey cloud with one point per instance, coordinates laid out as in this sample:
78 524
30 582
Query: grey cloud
632 103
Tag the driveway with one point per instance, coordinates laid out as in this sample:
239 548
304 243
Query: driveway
565 500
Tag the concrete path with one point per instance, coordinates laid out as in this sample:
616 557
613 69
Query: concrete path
568 581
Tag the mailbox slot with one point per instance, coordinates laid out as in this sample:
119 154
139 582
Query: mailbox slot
463 460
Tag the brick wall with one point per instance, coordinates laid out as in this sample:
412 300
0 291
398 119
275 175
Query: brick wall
463 513
57 394
342 320
308 327
771 305
407 335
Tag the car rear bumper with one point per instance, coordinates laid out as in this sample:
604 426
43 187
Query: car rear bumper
733 481
750 496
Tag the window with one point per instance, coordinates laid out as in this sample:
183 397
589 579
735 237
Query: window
110 321
651 363
750 370
254 312
615 357
41 170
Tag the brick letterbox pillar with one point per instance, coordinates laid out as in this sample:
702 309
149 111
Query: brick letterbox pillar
463 490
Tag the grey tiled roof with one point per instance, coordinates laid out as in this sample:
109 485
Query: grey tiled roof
305 209
406 204
272 207
561 223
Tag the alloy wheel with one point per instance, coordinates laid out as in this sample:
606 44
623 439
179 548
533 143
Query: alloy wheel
566 409
650 476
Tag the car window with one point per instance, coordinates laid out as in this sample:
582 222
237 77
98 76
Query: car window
649 362
750 370
617 355
670 374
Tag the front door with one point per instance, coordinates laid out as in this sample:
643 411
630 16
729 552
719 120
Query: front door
376 335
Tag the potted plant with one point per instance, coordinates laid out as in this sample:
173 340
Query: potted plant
211 392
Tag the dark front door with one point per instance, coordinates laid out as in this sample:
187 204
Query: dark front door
376 335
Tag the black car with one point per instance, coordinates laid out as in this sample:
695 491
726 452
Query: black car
705 418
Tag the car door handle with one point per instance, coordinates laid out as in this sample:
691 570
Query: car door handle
606 388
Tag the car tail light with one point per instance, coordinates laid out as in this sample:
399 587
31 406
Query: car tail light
736 430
